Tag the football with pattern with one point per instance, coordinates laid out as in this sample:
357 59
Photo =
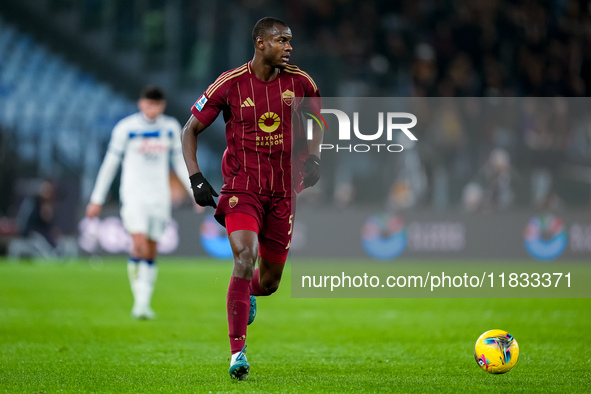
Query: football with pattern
496 351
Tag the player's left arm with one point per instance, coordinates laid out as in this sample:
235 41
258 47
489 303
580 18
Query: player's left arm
312 164
314 143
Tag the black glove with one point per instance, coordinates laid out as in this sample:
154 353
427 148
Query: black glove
311 170
202 191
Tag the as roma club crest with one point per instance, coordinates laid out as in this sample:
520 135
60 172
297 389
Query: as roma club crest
233 201
288 96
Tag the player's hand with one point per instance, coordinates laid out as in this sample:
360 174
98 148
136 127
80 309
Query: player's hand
202 191
311 170
93 210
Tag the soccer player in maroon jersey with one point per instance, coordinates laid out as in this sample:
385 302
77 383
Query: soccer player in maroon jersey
255 206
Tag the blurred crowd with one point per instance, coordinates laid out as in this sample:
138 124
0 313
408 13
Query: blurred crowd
436 47
476 154
372 47
407 48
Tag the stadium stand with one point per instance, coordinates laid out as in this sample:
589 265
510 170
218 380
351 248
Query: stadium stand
52 110
354 48
50 113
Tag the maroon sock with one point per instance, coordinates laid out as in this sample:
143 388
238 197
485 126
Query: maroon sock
238 304
255 285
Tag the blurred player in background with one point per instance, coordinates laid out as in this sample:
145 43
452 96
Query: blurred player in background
255 206
147 142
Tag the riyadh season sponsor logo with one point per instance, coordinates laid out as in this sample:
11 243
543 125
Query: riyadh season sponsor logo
269 122
545 237
349 132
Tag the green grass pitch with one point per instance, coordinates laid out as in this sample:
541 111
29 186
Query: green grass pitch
67 327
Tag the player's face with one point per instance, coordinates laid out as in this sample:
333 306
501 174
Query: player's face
277 48
151 108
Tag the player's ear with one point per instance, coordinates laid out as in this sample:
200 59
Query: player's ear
260 43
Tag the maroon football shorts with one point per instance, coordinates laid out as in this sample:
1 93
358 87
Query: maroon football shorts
273 216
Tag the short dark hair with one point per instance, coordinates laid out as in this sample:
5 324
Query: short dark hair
264 25
152 92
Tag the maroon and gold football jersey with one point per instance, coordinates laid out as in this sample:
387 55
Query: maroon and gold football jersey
260 131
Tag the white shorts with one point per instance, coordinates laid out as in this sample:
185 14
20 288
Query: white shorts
151 222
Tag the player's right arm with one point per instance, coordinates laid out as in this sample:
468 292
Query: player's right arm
202 190
108 170
204 111
192 129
